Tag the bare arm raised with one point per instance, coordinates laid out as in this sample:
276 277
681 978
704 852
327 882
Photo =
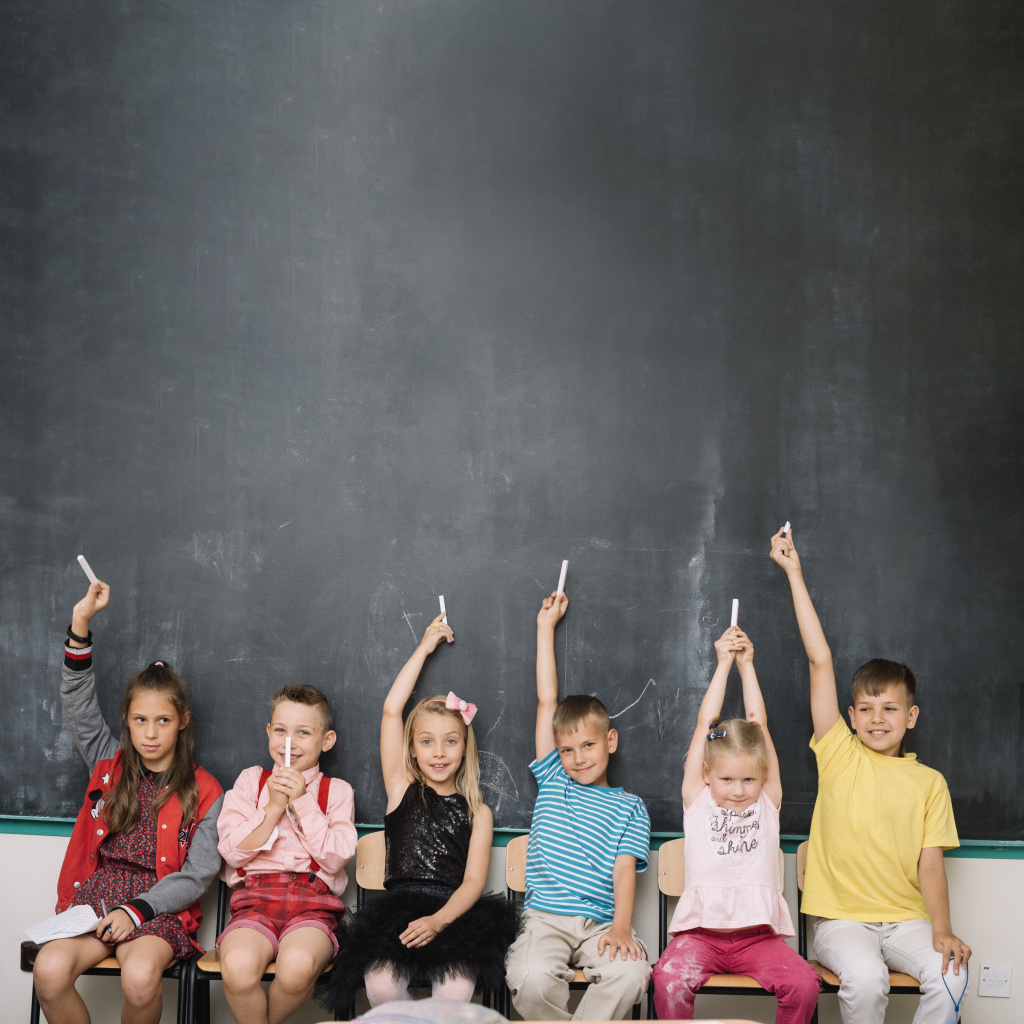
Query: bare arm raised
392 728
710 709
553 608
824 699
754 709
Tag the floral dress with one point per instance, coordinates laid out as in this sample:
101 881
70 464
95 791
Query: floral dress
126 869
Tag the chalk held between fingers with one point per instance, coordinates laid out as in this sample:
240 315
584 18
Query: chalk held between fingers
287 751
88 569
561 578
735 611
786 529
444 613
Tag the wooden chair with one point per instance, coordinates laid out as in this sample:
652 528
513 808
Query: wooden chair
180 971
515 884
899 984
206 968
370 878
671 883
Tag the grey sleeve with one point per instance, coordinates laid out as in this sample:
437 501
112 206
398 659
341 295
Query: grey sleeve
183 888
83 716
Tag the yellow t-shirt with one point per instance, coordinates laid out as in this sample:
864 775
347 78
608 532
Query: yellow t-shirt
873 817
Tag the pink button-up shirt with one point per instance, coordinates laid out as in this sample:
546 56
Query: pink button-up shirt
329 839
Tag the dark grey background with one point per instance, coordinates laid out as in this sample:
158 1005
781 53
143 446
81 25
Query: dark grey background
312 312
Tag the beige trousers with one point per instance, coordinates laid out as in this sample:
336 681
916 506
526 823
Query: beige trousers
540 965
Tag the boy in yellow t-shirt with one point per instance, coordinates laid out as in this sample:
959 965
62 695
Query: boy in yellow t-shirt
882 819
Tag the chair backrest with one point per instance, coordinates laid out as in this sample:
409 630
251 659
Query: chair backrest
370 861
801 864
672 869
515 863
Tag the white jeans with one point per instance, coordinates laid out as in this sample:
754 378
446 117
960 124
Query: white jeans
862 955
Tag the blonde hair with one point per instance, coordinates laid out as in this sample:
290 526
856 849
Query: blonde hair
742 738
467 778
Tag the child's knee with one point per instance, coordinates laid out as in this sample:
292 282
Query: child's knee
241 966
297 969
52 971
141 980
628 976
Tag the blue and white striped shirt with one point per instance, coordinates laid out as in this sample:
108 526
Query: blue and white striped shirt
576 834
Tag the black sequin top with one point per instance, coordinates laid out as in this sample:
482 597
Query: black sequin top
427 838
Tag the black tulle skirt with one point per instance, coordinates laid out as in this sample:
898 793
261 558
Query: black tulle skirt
474 945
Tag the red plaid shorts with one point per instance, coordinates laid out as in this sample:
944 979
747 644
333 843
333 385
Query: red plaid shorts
276 903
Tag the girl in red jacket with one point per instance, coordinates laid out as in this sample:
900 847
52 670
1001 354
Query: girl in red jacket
144 847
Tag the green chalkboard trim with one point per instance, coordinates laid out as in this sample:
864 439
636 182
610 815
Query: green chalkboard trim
975 849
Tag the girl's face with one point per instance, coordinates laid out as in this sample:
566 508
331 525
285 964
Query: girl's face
734 782
438 746
154 724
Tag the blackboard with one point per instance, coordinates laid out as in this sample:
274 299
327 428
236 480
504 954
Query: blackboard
315 311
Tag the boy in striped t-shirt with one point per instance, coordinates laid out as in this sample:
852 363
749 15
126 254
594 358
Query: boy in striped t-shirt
587 842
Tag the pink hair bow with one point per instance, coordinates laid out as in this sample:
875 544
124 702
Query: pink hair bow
467 710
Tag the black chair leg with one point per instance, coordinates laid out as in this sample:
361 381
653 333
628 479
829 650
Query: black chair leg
33 1016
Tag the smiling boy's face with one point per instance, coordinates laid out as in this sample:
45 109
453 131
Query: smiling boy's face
302 722
882 721
584 753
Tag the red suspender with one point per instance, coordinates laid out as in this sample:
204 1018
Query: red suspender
321 799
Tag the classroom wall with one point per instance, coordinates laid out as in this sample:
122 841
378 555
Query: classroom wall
983 914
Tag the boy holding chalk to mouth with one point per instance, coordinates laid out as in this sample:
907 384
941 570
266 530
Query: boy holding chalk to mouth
287 833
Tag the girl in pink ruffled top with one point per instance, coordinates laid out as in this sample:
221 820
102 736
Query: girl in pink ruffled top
732 917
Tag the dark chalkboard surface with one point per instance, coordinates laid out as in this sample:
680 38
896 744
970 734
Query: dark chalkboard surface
314 311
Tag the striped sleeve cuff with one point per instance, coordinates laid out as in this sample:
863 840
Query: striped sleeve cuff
78 658
139 910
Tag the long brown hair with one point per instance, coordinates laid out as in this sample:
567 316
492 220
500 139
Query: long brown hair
121 809
467 778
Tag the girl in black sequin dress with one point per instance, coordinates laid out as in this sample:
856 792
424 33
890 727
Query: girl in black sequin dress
431 920
144 846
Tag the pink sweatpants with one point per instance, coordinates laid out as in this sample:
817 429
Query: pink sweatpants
692 957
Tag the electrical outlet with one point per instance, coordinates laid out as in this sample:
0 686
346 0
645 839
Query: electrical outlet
994 980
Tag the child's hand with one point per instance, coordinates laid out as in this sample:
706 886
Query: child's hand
95 600
726 645
436 632
420 932
618 939
953 948
553 608
117 925
288 781
744 648
784 552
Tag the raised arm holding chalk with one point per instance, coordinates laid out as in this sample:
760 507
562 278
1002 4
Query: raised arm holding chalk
95 600
551 611
824 698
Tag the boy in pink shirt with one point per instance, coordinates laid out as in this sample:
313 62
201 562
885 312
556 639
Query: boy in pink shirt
286 834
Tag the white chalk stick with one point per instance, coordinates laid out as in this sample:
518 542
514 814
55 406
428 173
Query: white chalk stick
88 570
287 751
735 611
561 578
444 613
786 528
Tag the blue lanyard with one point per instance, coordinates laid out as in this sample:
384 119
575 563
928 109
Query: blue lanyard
957 1002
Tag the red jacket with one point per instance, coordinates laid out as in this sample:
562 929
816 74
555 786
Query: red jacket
172 842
